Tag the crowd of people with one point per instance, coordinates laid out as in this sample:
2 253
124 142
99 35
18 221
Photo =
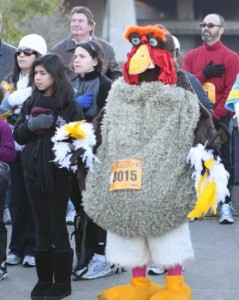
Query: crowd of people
41 91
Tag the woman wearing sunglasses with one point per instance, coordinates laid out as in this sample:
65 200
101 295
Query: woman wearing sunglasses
17 89
91 91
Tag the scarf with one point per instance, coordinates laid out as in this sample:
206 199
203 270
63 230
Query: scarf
46 105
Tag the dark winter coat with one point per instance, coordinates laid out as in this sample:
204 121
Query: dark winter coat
7 148
24 136
7 53
98 84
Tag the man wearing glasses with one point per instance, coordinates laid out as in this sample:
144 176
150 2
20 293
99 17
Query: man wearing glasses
216 66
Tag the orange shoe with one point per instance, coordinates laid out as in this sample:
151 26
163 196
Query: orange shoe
140 288
175 289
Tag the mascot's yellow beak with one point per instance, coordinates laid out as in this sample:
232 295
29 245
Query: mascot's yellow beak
75 130
140 61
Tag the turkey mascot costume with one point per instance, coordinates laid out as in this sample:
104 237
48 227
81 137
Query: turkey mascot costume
142 191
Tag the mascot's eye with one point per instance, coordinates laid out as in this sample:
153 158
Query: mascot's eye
135 41
153 42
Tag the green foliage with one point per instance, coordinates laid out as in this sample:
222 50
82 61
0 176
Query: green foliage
17 15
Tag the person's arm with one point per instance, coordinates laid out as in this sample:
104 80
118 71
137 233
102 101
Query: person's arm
7 146
22 134
232 69
7 87
202 96
105 86
14 98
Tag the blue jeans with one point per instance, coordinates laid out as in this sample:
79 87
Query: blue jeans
23 229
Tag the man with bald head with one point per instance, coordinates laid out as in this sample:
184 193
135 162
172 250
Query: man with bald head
216 66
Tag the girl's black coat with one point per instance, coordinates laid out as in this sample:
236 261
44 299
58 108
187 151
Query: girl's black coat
24 136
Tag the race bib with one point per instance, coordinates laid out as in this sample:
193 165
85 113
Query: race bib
210 90
126 175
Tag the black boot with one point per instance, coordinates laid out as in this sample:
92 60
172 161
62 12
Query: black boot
44 272
62 266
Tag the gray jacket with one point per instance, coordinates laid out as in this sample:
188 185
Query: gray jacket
6 59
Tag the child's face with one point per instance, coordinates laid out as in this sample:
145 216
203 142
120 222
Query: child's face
83 62
43 80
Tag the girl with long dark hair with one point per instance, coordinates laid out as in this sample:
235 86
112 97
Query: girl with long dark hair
51 105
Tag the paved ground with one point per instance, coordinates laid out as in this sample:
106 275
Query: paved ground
213 275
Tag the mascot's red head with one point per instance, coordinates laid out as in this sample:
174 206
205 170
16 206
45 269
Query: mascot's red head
150 58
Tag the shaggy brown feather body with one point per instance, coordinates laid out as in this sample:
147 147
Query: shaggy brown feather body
159 111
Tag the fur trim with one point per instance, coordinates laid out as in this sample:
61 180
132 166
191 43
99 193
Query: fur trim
153 29
173 248
71 137
215 173
155 123
127 252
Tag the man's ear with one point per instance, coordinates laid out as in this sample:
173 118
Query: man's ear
222 30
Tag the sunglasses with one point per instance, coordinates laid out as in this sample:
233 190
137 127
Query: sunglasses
89 47
209 25
27 52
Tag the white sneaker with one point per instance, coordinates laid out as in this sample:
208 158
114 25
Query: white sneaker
70 217
97 269
7 217
154 270
226 214
80 273
13 259
29 261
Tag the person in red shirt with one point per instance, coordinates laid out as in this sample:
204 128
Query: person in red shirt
216 66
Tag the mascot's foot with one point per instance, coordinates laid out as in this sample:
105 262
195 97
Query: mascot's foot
140 288
175 289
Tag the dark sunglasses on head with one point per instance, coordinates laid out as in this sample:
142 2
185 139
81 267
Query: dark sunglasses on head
209 25
27 52
89 46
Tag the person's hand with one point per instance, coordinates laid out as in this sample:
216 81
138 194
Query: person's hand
85 100
42 121
236 116
212 70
